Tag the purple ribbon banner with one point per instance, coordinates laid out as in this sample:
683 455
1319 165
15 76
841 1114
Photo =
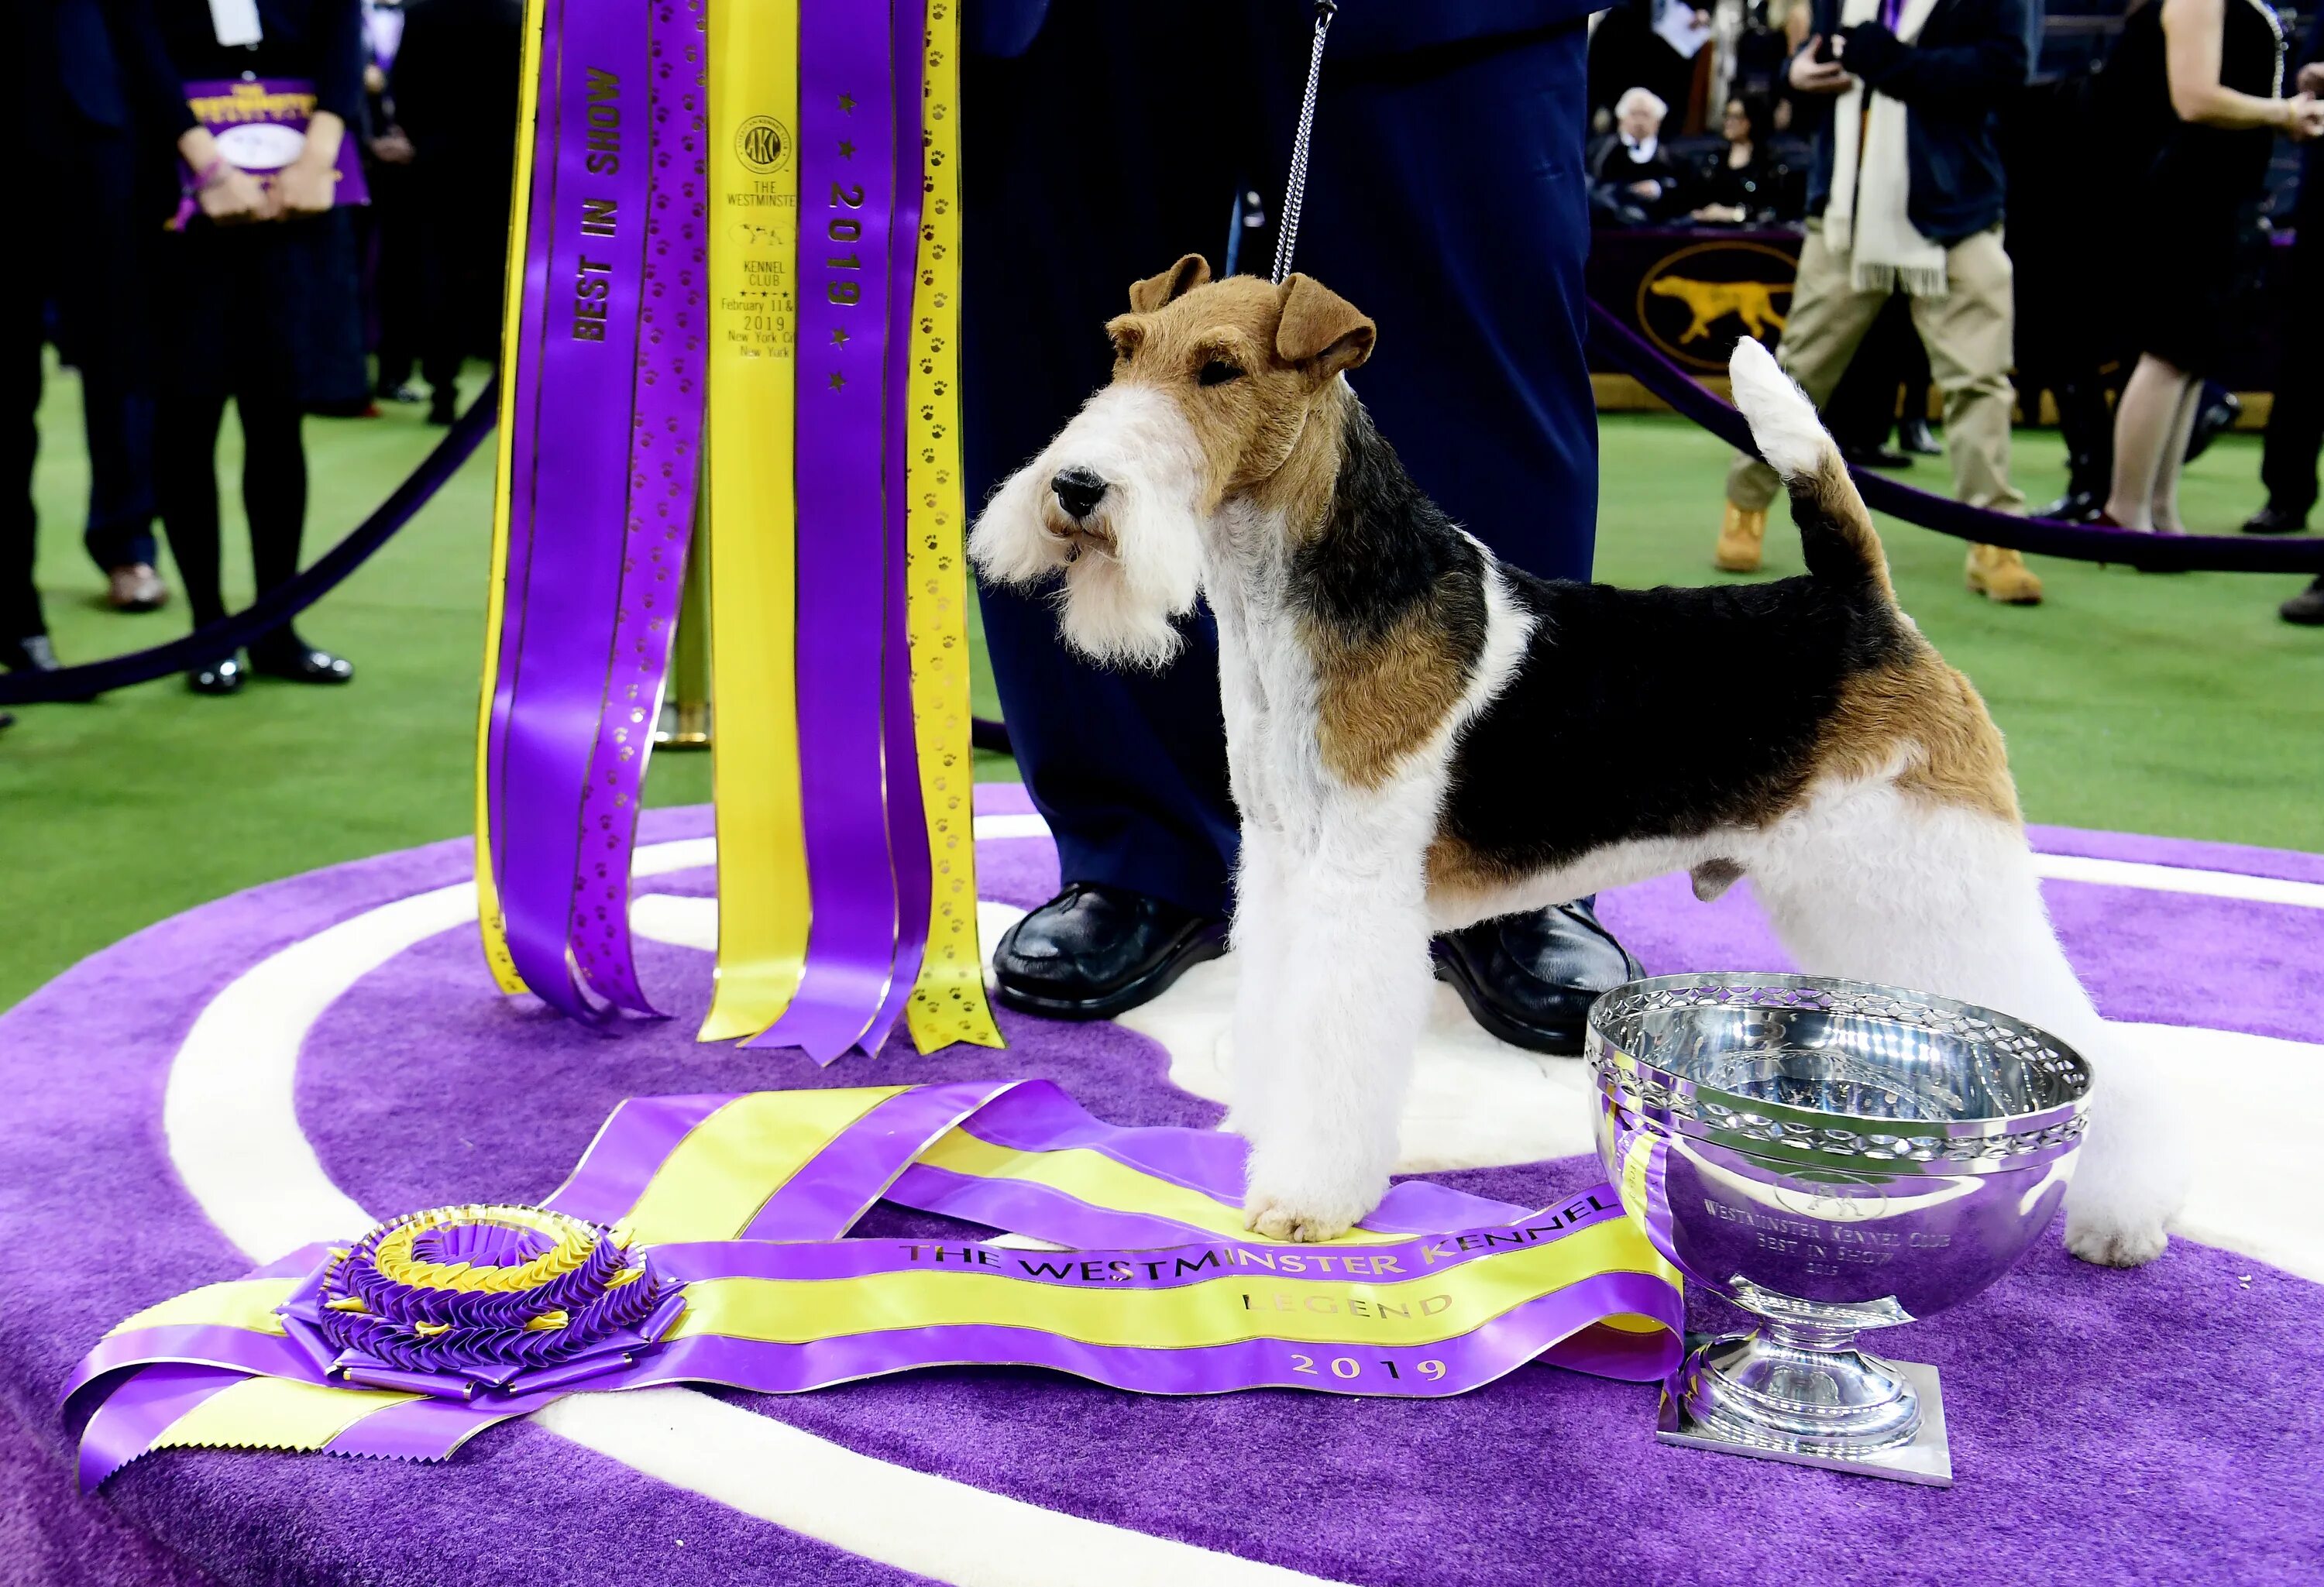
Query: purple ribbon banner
665 463
480 1313
851 117
908 829
602 462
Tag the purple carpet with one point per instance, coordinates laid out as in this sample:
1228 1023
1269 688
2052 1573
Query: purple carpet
2160 1424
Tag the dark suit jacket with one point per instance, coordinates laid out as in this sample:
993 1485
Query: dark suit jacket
1972 58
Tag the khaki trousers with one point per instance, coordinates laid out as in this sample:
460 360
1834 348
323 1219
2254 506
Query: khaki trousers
1968 333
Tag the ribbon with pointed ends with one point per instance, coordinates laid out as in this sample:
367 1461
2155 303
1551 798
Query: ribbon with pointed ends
848 203
762 897
702 1240
947 1000
596 499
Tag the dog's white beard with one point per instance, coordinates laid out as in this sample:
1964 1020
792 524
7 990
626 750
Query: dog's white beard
1116 605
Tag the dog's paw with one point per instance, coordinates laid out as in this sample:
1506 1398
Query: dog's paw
2115 1243
1285 1218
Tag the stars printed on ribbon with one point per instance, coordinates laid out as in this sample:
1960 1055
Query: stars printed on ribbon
846 149
838 381
847 104
839 335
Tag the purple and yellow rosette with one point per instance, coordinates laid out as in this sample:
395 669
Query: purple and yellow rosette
701 1239
461 1300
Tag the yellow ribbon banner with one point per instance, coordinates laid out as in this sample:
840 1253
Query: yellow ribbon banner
948 1002
763 894
489 921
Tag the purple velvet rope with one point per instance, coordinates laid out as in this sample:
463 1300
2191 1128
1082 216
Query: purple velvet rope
588 377
907 825
846 178
284 601
665 461
2045 537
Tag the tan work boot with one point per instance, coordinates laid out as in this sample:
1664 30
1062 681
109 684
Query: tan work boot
2002 575
1741 533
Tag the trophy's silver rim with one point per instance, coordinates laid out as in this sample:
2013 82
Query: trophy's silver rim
1809 1136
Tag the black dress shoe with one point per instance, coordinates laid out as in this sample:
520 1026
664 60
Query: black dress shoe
2078 506
1530 979
2274 520
1915 437
2307 607
219 677
2217 416
33 653
1095 951
300 662
1875 457
443 407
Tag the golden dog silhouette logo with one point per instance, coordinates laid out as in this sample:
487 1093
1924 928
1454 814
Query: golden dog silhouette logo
1698 302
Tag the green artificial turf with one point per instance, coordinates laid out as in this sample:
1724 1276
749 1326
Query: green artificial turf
2169 705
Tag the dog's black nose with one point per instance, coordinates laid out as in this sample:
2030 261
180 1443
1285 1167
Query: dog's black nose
1079 491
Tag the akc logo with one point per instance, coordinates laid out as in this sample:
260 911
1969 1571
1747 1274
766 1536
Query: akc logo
763 143
1697 303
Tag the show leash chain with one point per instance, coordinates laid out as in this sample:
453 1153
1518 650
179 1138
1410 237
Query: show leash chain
1295 190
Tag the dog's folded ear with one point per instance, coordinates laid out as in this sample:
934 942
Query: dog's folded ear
1320 330
1191 271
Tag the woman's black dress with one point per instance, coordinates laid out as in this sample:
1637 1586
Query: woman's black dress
1759 187
266 310
2187 184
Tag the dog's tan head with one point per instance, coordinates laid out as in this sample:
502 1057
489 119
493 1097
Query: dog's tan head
1221 391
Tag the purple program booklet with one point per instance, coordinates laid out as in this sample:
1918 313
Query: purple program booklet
260 126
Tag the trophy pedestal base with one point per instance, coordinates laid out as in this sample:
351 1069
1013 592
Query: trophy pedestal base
1926 1459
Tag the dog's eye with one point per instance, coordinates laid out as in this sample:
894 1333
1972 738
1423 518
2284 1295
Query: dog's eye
1217 373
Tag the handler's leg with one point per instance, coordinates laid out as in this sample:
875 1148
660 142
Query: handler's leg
1448 199
1968 333
1128 767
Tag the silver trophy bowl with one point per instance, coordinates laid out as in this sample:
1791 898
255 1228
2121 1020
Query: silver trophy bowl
1831 1157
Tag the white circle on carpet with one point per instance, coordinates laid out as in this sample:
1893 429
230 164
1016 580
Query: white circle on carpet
234 1135
234 1138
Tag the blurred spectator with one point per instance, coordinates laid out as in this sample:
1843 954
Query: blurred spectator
1742 183
1650 44
262 287
1907 195
2295 426
24 629
389 227
2066 186
1633 180
2192 97
454 85
98 206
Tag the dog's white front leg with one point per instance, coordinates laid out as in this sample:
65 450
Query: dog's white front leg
1259 943
1351 995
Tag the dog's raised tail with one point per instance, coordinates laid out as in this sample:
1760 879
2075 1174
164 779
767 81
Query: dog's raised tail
1835 527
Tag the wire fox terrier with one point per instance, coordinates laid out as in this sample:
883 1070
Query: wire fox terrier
1420 737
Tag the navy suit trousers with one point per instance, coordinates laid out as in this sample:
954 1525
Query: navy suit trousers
1446 200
